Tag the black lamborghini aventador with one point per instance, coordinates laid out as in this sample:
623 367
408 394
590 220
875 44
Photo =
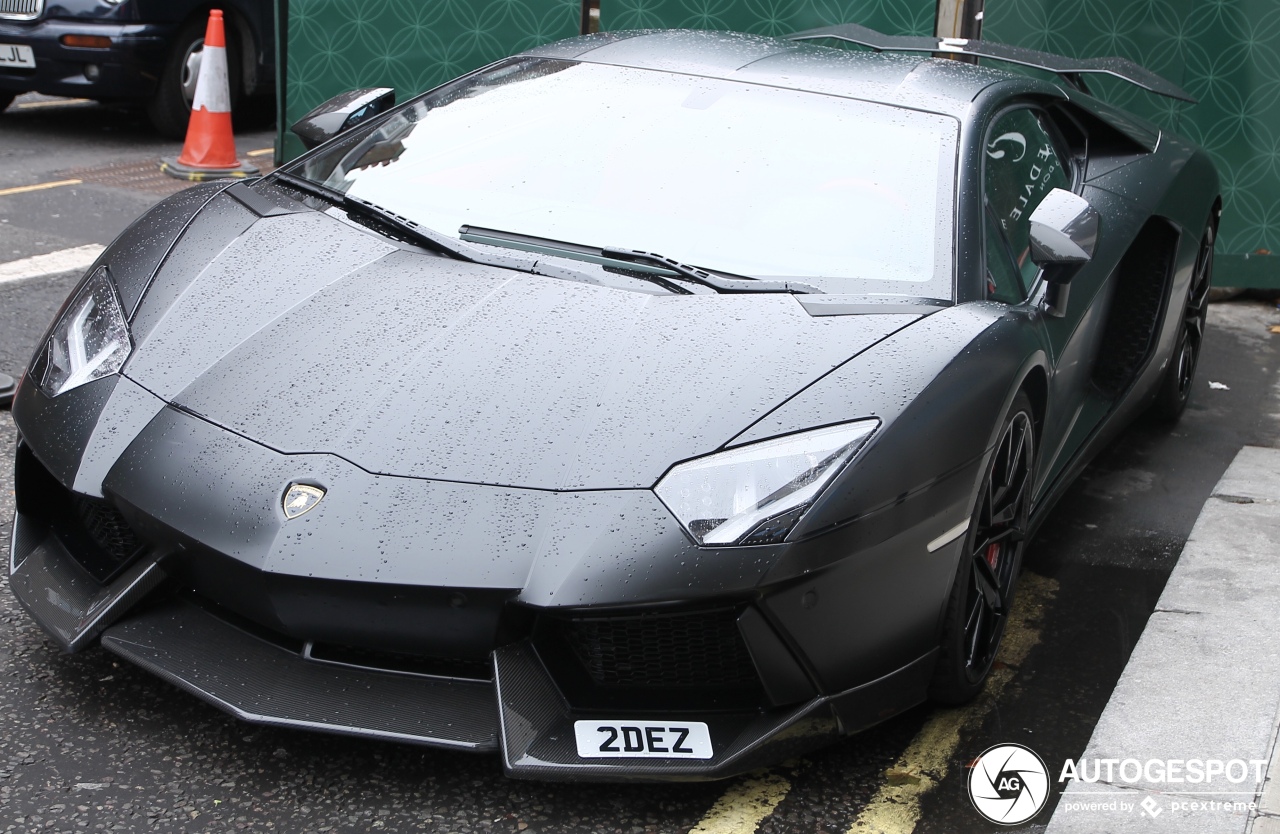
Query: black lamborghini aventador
649 405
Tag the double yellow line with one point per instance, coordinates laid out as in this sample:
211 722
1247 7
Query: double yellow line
895 808
745 805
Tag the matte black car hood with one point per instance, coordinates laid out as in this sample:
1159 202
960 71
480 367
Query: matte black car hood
409 364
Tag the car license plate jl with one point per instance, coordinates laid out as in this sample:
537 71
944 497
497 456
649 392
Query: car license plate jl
642 739
16 55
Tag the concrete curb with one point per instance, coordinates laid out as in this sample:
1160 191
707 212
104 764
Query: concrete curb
1203 681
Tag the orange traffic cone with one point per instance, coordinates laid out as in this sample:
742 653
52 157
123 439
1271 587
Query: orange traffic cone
210 149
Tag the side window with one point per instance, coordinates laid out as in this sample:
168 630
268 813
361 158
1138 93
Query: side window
1004 281
1021 167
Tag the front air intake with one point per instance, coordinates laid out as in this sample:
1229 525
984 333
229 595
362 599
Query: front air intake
93 531
701 649
107 528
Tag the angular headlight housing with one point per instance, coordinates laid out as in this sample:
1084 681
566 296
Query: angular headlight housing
755 494
90 341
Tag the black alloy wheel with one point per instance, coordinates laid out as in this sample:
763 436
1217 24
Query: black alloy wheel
1175 389
980 601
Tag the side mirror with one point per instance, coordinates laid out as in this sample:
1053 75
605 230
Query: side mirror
1064 233
343 112
1064 230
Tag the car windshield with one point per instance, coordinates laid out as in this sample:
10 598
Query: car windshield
759 181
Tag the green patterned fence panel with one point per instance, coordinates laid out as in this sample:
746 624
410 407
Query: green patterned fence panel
412 45
330 46
1226 53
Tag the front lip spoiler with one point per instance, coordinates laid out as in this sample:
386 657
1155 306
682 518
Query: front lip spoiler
521 713
67 603
262 683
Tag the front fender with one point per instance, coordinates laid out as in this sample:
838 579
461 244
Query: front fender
939 388
870 562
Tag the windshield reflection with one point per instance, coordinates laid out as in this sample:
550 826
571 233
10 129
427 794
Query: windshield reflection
761 181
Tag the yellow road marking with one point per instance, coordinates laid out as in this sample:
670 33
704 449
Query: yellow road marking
895 809
23 189
62 102
745 805
261 152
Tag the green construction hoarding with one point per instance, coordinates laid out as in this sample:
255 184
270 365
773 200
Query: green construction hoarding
1224 52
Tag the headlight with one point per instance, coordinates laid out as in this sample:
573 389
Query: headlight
90 341
755 494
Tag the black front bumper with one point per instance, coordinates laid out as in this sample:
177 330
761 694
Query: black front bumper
128 69
521 711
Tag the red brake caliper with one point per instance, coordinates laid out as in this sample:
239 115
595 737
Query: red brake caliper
993 554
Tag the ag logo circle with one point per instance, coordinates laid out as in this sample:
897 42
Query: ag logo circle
1008 784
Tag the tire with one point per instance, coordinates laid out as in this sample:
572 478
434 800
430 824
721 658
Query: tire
170 107
6 99
987 576
1175 388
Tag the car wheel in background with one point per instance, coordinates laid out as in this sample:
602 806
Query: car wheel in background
170 107
1175 388
980 600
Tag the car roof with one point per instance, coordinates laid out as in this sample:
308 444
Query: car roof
916 81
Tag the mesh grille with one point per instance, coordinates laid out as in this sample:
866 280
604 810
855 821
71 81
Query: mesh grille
702 649
107 528
21 9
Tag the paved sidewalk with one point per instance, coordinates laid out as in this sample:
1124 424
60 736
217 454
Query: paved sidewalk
1203 683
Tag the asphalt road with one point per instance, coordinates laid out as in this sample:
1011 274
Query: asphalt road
88 742
113 152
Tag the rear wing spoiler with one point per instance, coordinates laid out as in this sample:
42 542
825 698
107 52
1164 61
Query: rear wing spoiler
1071 69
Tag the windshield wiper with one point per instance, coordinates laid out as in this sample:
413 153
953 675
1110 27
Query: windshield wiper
389 223
647 264
402 226
560 249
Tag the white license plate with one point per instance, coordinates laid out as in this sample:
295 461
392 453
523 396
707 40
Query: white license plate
16 55
642 739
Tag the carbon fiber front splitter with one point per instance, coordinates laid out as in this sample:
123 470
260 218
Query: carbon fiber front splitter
62 597
521 713
258 681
